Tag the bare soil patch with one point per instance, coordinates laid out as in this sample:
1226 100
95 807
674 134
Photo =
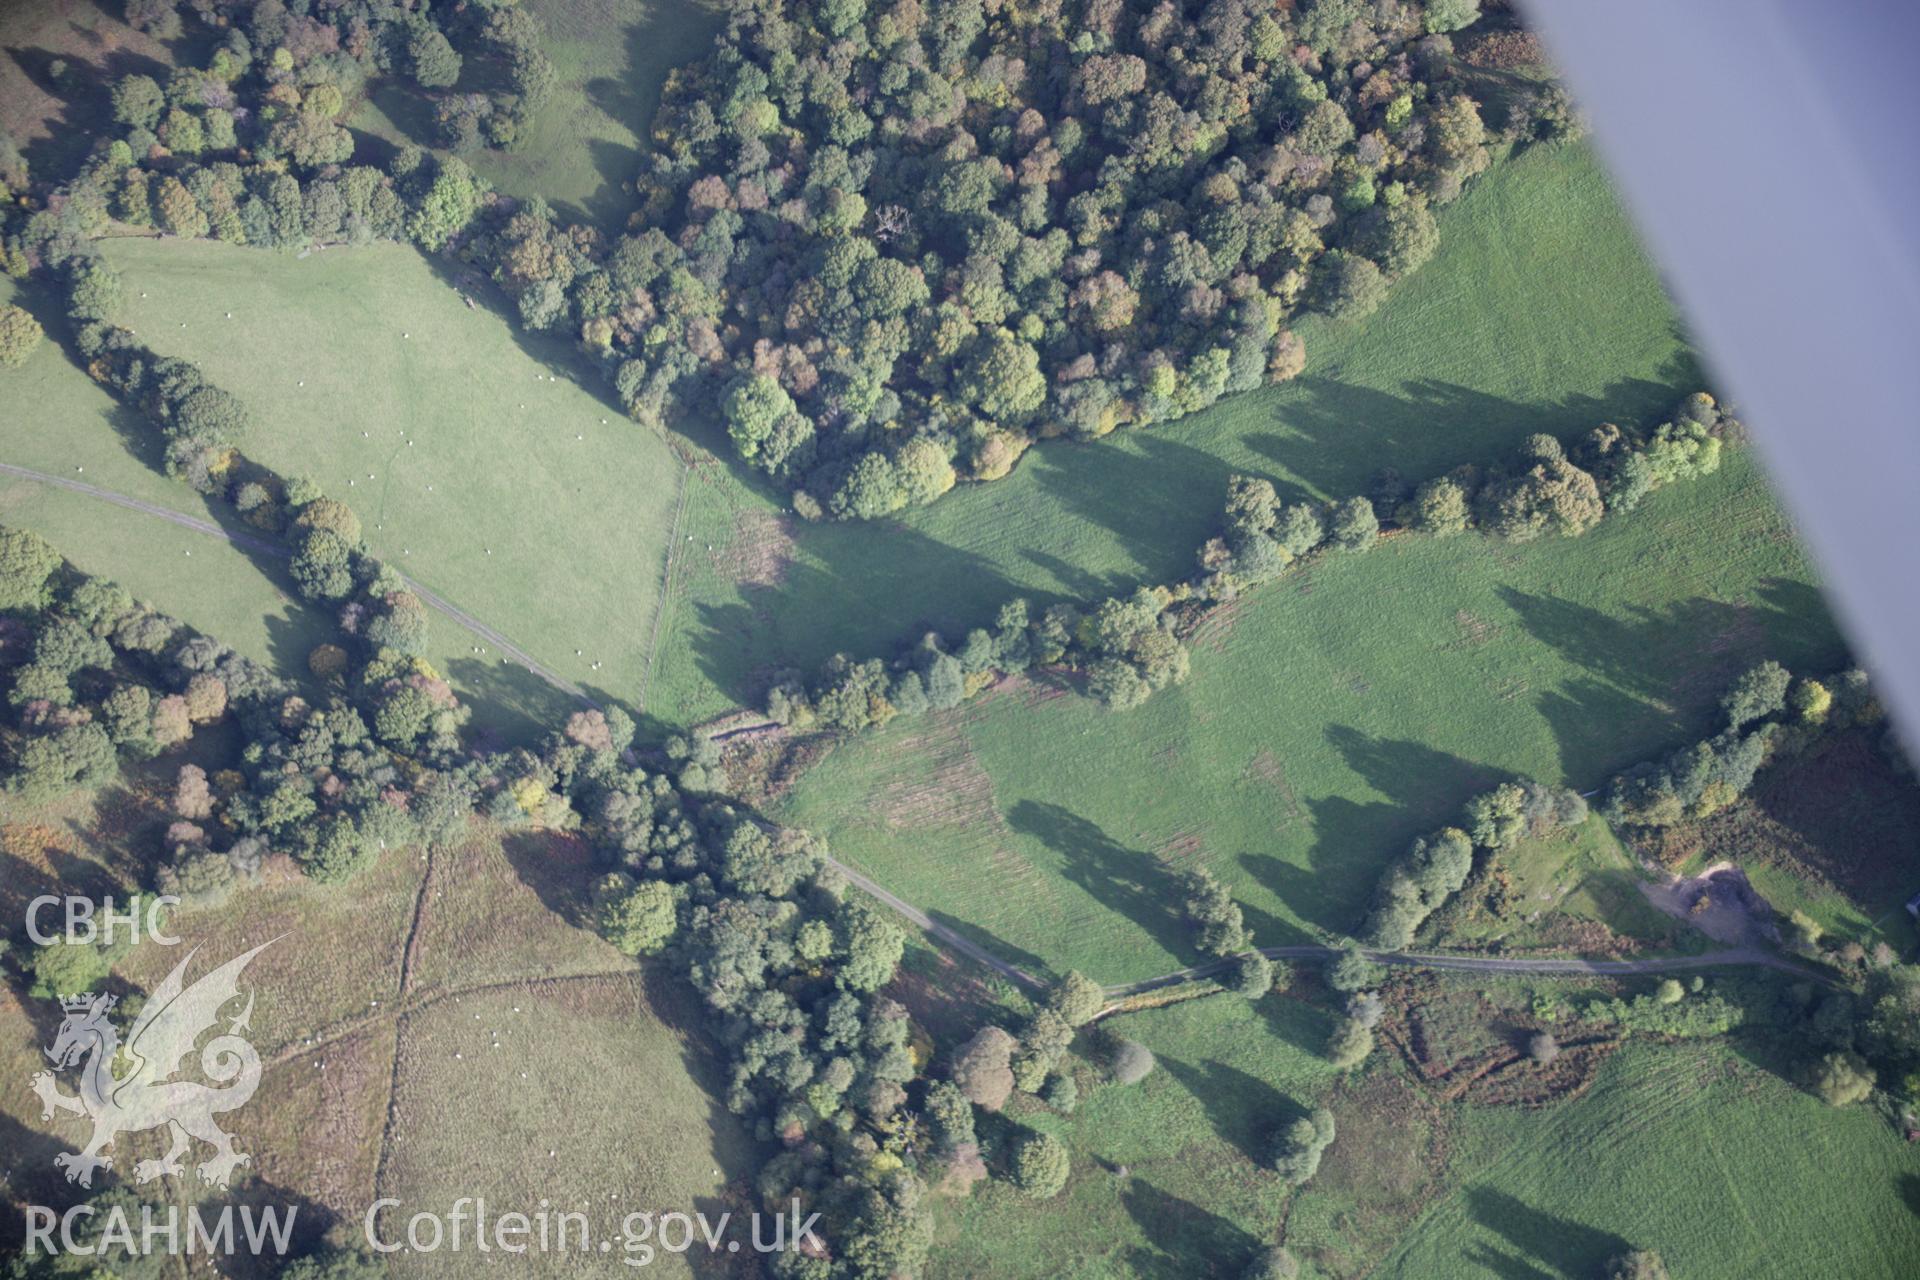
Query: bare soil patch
1721 902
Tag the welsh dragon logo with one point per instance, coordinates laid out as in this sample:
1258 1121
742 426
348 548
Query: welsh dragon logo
135 1089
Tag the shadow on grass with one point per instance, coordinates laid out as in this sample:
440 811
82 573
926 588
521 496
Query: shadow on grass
672 1000
1187 1240
563 885
1909 1184
1293 1019
1245 1111
866 591
31 1175
1585 716
669 35
1160 498
1353 840
1128 881
1507 1266
84 88
1571 1247
1322 415
1325 908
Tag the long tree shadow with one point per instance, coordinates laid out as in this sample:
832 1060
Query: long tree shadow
1684 652
1078 583
1245 1111
1506 1266
83 87
1909 1184
854 591
1656 672
1353 840
1411 774
312 1225
1573 1248
1853 803
1431 426
1327 906
52 871
672 33
510 703
1588 716
30 1176
1173 494
1127 881
1301 1023
1187 1240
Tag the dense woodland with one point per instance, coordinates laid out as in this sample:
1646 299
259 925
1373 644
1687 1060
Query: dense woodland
889 247
916 237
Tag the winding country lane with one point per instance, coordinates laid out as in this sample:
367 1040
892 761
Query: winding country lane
949 937
1537 965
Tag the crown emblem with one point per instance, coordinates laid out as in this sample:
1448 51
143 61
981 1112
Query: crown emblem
84 1001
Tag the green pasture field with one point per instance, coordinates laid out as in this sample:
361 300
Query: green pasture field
1197 1197
476 462
58 421
1330 717
1539 313
1461 366
1691 1149
68 426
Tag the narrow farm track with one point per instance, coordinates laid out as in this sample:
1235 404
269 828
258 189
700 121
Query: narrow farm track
265 546
934 929
1535 965
950 938
208 527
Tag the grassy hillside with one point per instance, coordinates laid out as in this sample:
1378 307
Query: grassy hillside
1169 1180
1329 718
380 1079
242 598
477 464
1689 1149
1540 312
